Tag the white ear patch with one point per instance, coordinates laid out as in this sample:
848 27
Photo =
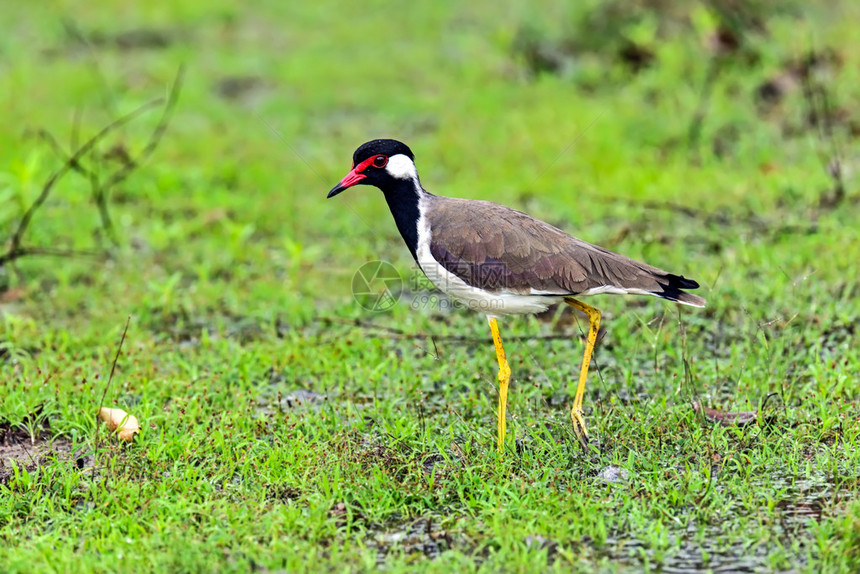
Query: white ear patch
401 167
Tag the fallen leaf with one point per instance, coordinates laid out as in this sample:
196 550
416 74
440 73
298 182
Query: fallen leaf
737 418
12 295
118 420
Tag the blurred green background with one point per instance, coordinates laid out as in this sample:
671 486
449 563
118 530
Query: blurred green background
714 139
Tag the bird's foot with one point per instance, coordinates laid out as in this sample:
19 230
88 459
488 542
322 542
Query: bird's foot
579 427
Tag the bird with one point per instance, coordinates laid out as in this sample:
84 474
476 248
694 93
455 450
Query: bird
501 262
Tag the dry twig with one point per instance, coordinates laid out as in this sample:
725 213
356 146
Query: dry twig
74 162
110 378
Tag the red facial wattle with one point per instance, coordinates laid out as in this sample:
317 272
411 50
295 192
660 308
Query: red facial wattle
357 173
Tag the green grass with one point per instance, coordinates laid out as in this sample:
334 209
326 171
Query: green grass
236 274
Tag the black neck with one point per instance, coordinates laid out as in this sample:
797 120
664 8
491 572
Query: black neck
402 197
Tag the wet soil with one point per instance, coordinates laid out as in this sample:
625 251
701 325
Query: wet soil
422 536
28 447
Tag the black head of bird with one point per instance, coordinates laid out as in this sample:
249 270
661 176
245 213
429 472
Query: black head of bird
380 163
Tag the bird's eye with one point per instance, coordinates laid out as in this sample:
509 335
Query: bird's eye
380 161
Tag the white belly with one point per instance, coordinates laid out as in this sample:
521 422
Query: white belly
491 303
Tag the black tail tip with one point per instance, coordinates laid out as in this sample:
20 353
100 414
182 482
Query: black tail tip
674 291
682 282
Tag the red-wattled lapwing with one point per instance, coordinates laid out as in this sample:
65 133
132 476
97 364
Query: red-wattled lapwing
501 261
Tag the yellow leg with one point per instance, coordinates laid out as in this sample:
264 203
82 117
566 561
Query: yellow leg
593 325
504 379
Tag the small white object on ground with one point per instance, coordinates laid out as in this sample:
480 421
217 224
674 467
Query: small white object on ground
118 420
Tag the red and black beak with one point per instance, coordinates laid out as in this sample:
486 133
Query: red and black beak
352 178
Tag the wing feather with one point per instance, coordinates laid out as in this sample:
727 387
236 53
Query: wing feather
500 249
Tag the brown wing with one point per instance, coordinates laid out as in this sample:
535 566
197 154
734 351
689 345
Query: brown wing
497 248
